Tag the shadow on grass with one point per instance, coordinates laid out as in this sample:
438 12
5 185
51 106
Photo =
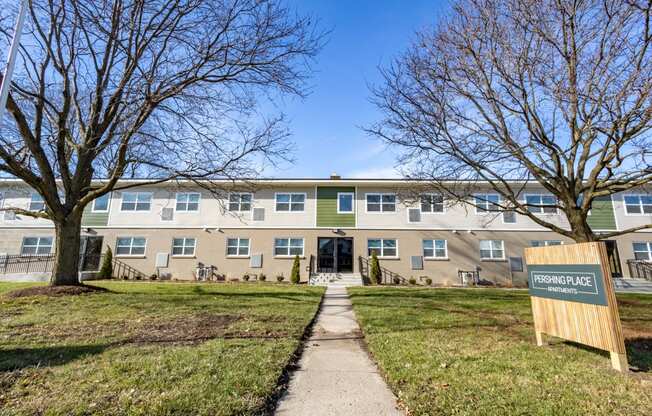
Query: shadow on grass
639 353
19 358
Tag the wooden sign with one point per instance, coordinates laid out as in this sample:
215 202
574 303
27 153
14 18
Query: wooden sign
573 297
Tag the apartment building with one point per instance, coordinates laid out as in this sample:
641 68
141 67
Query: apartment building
259 227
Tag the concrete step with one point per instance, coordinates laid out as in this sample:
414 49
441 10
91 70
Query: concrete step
632 285
336 279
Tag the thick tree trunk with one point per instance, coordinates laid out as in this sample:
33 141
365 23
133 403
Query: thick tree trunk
582 232
66 263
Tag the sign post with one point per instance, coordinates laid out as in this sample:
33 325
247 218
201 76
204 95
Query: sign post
573 297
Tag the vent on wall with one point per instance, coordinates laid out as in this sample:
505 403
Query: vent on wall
509 217
10 215
256 261
417 262
259 214
167 214
414 215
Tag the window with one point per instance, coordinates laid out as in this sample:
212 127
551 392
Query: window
240 202
432 203
492 250
382 247
101 204
435 249
136 201
486 203
381 202
237 247
130 246
545 243
638 204
36 202
188 201
643 250
288 246
543 204
345 202
183 246
290 202
36 245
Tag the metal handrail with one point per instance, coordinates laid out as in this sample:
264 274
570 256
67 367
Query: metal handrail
30 263
387 277
640 269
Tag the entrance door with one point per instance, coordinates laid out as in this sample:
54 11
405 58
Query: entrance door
90 253
614 258
334 255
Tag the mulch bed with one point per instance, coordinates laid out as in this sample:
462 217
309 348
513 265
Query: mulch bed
54 291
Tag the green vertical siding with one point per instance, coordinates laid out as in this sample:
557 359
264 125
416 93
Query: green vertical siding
94 219
327 215
602 214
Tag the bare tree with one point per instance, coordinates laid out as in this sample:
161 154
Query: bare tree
512 92
109 89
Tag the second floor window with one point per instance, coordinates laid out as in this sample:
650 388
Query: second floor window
345 202
492 250
130 246
136 201
237 247
381 202
545 243
288 246
643 250
101 204
183 246
36 202
435 249
432 203
486 203
382 247
638 204
239 202
541 204
36 245
188 202
290 202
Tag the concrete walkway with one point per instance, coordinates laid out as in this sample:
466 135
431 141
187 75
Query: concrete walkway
335 375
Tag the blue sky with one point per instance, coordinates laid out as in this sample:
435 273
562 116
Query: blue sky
326 126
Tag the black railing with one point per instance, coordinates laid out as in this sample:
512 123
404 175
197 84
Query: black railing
26 263
124 271
640 269
387 277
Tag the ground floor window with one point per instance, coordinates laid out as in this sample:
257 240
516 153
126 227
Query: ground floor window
183 246
382 247
435 249
130 246
545 243
36 245
492 249
237 247
643 250
288 246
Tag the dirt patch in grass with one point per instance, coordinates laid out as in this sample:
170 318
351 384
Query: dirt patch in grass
54 291
187 330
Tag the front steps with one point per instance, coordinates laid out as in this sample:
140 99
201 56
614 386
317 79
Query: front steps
632 285
336 279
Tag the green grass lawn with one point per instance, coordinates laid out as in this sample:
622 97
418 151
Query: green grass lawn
455 351
150 348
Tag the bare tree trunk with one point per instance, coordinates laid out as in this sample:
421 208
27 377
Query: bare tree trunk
66 263
582 232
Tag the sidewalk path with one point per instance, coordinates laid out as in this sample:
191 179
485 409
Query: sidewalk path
335 375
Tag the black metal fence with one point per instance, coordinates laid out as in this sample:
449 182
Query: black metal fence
640 269
10 264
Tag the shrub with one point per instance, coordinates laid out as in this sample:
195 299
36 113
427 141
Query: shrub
153 276
245 277
262 277
280 278
412 281
106 271
374 269
295 275
428 281
396 280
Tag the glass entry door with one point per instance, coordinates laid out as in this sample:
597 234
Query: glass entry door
334 255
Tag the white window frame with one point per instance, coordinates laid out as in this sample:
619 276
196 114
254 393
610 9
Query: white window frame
183 246
382 211
542 208
187 201
40 200
289 247
434 249
485 200
238 247
640 205
38 245
289 211
430 195
131 246
382 255
251 202
492 249
138 194
352 194
108 203
546 243
648 245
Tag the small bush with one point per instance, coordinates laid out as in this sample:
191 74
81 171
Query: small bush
295 275
262 277
106 271
412 281
374 269
153 276
245 277
396 280
280 278
428 281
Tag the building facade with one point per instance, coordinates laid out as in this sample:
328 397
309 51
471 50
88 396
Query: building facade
253 228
